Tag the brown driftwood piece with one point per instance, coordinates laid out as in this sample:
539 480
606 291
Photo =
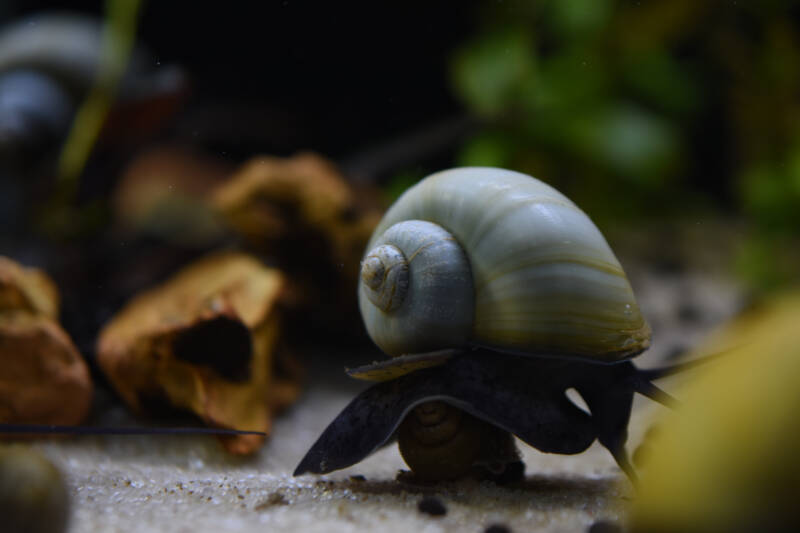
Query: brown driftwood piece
203 341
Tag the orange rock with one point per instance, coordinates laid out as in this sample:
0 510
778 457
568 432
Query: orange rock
204 341
43 379
270 199
303 214
27 289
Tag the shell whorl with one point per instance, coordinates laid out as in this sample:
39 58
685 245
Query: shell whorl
384 272
438 441
416 291
434 423
543 277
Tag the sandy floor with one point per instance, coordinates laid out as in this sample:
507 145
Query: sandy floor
187 484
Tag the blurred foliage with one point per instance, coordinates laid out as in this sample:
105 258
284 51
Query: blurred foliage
118 39
60 217
399 183
656 108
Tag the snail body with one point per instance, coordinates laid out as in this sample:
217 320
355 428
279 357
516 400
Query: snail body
494 294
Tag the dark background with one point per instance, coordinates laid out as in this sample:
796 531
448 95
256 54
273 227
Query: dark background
651 116
275 77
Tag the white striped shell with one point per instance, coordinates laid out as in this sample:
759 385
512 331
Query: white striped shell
496 258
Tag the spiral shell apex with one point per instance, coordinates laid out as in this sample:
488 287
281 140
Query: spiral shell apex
416 289
384 273
496 258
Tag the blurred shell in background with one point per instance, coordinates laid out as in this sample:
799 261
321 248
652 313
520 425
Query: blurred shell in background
33 497
43 380
48 63
68 46
727 460
208 340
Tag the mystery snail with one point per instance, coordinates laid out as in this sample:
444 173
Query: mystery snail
494 294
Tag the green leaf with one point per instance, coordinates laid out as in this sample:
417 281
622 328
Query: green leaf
635 144
576 18
489 72
487 150
662 81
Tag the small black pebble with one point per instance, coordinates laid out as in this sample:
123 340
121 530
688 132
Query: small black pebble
432 506
358 477
497 528
604 527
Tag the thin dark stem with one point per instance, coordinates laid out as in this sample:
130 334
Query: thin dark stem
621 457
89 430
655 393
653 374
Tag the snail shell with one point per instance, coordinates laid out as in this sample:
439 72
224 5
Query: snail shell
48 64
70 48
439 441
34 111
495 258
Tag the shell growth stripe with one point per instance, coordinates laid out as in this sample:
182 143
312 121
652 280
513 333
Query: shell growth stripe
510 206
596 264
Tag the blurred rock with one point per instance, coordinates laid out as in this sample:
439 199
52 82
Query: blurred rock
307 219
208 340
43 379
271 201
27 289
727 460
33 497
164 192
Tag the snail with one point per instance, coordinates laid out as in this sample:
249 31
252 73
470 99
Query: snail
494 294
49 61
33 495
